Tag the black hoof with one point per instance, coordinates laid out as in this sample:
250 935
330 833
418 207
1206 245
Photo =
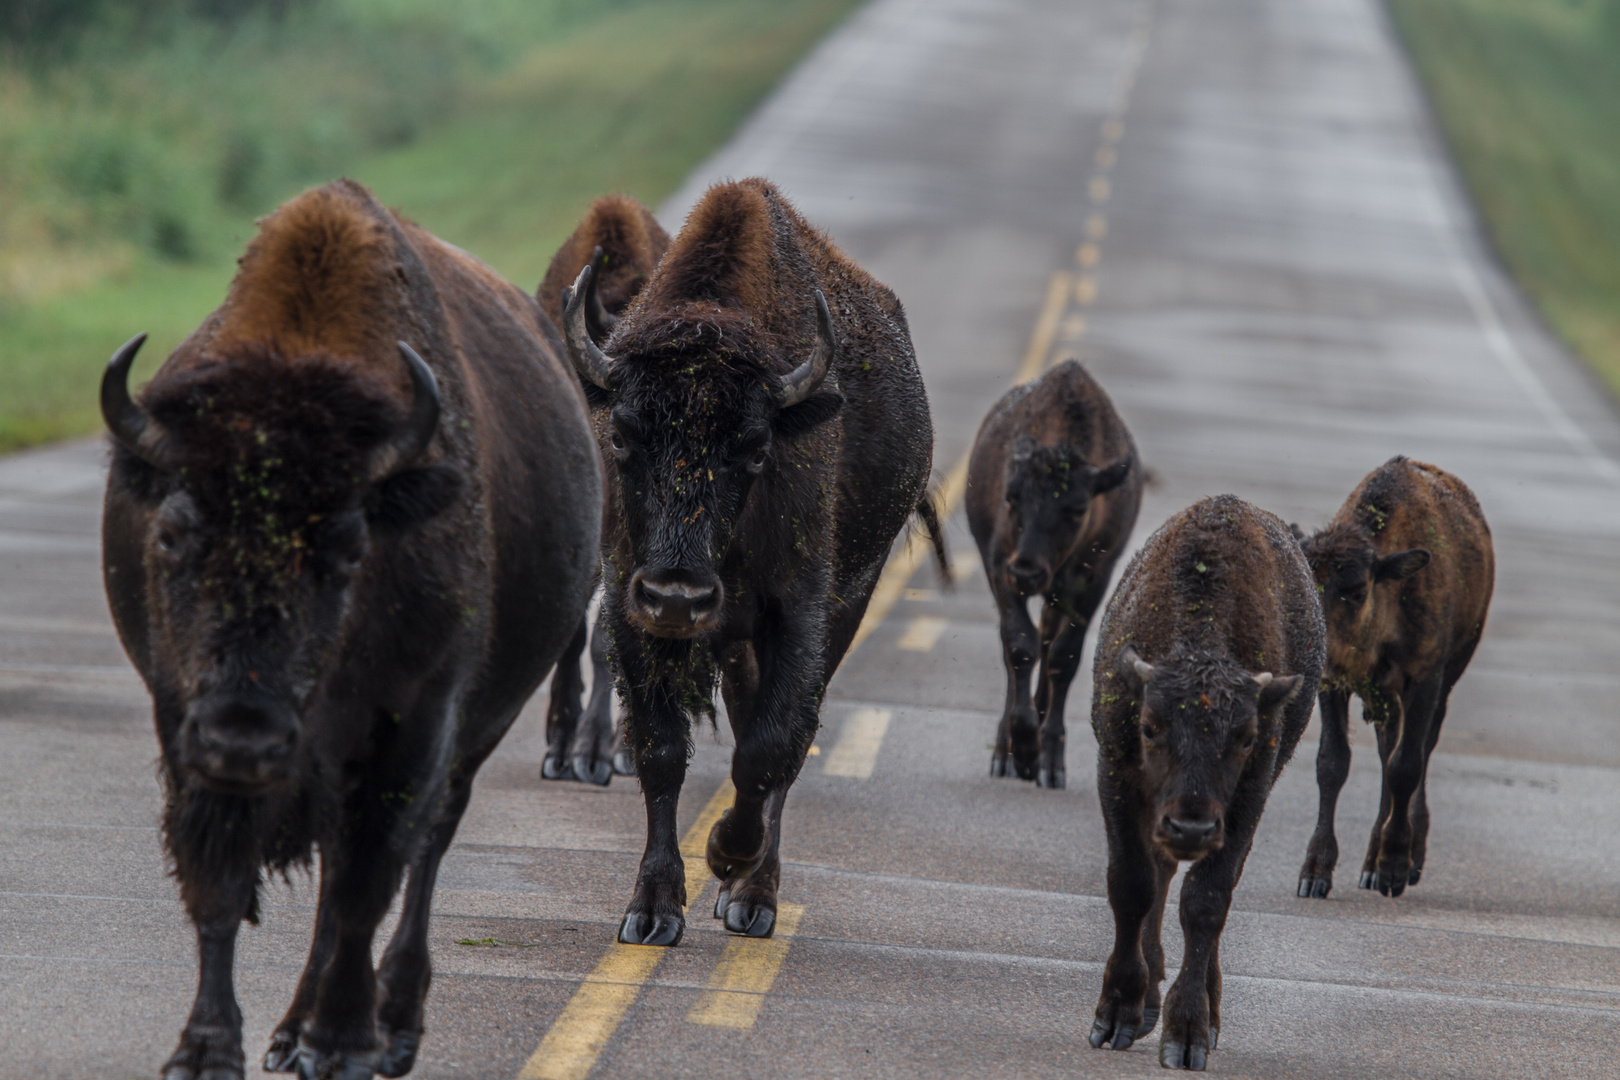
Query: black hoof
721 902
624 763
1214 1038
1022 771
555 768
600 774
282 1057
761 922
1046 778
400 1055
1000 766
1150 1020
1414 875
1115 1037
337 1065
1315 888
1366 881
1387 885
1175 1055
664 930
182 1072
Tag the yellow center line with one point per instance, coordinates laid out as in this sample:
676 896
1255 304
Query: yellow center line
745 974
922 633
858 744
593 1014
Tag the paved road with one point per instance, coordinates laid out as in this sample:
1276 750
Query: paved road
1283 288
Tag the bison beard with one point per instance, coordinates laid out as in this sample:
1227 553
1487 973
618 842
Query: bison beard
767 436
305 573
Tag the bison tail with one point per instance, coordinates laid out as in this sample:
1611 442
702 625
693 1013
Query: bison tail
928 510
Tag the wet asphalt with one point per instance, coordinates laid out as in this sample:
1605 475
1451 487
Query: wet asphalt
1286 287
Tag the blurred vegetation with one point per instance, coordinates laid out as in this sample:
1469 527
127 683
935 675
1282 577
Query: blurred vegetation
140 138
1528 92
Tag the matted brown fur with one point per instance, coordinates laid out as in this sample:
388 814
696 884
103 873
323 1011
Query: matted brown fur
628 235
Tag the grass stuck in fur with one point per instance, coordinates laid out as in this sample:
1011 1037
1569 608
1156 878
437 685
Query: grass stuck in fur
139 141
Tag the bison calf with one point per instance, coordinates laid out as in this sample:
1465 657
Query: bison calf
1207 658
1405 571
1053 492
622 242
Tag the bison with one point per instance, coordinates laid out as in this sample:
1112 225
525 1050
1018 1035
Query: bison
767 436
1053 491
622 242
1405 571
349 526
1207 661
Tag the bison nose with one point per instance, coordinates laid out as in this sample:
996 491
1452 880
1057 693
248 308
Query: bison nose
239 745
1030 574
1183 832
674 603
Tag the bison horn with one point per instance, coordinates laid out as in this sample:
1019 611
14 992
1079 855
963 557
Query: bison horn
592 363
414 435
599 319
133 427
1130 661
803 380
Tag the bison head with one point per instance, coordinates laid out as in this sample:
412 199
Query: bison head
263 486
695 421
1357 587
1200 720
1048 491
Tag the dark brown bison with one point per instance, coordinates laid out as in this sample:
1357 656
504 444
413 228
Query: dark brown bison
1207 660
349 526
1405 572
1053 490
622 242
768 436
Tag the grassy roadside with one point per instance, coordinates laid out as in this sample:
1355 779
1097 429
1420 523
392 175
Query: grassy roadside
1528 92
529 121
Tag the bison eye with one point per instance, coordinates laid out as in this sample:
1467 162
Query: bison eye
756 462
166 541
1357 596
620 448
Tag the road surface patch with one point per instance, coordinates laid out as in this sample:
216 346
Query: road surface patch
745 974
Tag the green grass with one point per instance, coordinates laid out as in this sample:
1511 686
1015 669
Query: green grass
1528 92
130 177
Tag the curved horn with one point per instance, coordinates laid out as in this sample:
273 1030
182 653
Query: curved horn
592 363
804 380
133 427
599 319
414 435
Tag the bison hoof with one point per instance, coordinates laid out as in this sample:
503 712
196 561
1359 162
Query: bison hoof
1056 779
722 902
1391 885
1150 1020
1177 1055
624 763
282 1057
756 921
639 929
1000 765
335 1065
1366 881
1414 875
399 1056
555 768
1114 1036
599 773
1315 888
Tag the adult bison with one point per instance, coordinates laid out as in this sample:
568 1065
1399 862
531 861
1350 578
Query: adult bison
622 242
349 526
1053 490
1207 661
1405 571
768 436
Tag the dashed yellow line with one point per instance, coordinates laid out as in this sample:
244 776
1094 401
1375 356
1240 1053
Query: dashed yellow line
745 974
922 633
855 753
1040 339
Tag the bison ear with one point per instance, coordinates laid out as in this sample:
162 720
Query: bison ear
1275 692
1299 533
1401 565
412 496
800 419
1136 671
1111 477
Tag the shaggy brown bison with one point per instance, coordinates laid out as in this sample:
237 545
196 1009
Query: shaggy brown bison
1405 572
768 437
1207 661
1053 490
349 526
622 242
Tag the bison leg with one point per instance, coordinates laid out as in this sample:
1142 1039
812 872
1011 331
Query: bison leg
1017 745
1403 774
562 712
1420 801
1332 768
282 1056
211 1043
1378 709
596 753
1133 886
1152 944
